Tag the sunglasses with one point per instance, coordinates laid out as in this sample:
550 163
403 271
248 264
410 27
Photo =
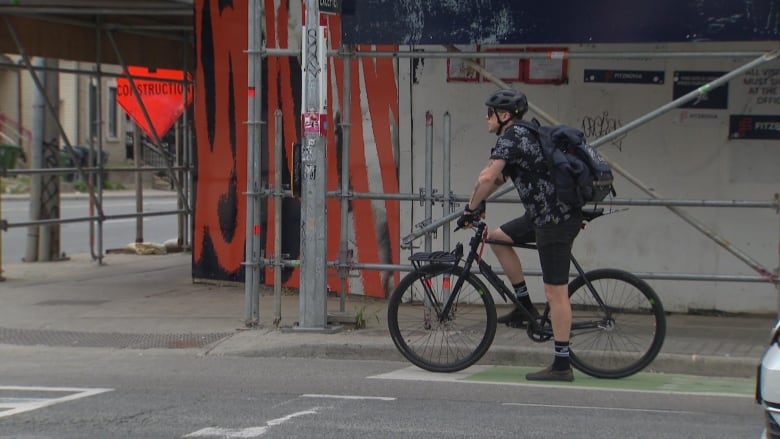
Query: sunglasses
491 112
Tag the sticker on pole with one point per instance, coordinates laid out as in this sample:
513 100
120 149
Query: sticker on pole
162 97
311 123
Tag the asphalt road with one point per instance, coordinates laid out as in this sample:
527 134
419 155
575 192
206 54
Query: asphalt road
75 237
110 393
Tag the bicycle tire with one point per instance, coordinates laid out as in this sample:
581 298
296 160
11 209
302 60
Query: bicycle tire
631 339
441 345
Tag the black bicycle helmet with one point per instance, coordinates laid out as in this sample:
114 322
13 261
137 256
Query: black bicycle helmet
509 100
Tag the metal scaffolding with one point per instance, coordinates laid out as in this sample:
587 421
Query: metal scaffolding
429 196
115 18
111 22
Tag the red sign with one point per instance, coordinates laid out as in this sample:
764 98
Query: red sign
164 100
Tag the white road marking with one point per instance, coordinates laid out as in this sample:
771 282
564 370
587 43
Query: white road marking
15 406
375 398
229 432
249 432
587 407
414 373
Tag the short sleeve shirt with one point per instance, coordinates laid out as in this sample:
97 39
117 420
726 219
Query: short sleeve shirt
527 168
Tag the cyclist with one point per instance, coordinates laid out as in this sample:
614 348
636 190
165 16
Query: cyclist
517 156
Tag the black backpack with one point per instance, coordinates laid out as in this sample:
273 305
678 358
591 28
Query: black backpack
580 174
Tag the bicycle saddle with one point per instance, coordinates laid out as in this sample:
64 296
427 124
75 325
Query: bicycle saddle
591 214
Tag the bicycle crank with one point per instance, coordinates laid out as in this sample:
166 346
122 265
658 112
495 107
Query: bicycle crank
541 331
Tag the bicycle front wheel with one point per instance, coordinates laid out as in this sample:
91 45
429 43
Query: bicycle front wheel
623 334
431 340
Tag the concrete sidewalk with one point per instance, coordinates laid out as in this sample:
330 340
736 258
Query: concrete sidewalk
142 302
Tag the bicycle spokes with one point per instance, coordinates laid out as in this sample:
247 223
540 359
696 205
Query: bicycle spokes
619 323
437 324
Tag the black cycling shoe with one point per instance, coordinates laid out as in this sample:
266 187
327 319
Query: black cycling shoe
516 318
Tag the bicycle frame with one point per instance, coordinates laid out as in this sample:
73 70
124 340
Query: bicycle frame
617 319
476 247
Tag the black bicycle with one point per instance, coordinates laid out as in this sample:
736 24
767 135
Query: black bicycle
442 317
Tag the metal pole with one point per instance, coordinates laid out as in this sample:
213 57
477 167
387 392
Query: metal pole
36 161
81 71
278 195
313 306
447 206
99 133
254 133
346 109
188 163
49 235
551 53
139 183
428 176
182 146
695 94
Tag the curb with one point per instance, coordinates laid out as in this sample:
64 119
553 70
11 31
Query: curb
274 343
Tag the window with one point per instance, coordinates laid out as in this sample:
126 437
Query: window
112 112
93 112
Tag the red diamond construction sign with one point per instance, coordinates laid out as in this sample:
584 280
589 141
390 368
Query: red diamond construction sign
162 93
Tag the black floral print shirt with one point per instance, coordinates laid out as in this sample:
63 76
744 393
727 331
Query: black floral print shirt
527 168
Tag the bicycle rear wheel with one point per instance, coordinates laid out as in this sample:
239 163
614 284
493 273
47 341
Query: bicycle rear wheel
441 343
627 334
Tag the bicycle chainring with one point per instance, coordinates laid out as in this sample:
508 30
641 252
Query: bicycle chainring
543 330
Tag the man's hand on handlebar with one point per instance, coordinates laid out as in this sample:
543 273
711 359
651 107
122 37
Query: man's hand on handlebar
470 216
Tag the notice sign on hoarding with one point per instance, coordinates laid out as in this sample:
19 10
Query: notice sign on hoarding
330 6
750 126
163 100
624 76
686 82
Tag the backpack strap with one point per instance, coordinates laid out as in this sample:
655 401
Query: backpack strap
532 125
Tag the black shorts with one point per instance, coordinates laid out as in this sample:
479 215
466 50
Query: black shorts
554 243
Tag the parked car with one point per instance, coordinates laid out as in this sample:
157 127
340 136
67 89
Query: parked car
768 385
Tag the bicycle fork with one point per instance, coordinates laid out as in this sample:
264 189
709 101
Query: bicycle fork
431 306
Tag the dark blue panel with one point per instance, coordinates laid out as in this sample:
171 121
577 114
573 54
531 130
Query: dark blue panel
558 22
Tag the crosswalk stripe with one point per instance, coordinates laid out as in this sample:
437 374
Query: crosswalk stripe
14 405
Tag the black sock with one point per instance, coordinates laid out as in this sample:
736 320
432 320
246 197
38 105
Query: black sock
561 361
521 292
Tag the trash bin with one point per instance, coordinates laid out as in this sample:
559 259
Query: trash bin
81 155
8 155
66 162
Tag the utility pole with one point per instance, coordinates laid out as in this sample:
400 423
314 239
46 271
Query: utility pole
43 241
314 224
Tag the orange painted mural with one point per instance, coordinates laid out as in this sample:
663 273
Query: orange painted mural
219 234
220 112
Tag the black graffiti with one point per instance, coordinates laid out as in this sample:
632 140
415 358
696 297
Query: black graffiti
207 53
224 4
227 209
312 59
599 126
232 108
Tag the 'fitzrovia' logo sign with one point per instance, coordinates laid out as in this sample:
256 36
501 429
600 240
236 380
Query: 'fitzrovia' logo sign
330 6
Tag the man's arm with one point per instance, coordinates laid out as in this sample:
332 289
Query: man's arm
490 178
